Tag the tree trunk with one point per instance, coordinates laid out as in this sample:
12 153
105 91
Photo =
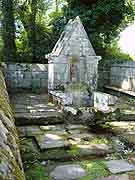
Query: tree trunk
8 24
33 28
56 2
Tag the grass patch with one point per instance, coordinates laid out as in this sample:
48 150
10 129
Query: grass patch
74 151
94 169
36 172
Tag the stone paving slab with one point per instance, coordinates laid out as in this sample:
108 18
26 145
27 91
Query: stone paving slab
119 177
76 131
119 166
68 172
76 126
52 128
49 141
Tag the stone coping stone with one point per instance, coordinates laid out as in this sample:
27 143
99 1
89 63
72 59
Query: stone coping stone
68 172
119 166
119 177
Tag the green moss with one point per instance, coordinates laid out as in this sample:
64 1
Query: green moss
74 151
54 154
81 86
28 150
6 107
94 169
36 172
16 171
99 141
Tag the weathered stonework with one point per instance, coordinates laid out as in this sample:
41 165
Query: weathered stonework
117 75
73 58
10 160
20 76
73 65
123 76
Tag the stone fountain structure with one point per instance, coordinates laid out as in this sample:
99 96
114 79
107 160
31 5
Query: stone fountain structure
73 65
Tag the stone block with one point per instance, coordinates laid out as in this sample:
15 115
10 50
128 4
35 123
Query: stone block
49 141
102 101
119 166
68 172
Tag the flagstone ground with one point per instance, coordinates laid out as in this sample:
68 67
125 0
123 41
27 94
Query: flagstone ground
48 142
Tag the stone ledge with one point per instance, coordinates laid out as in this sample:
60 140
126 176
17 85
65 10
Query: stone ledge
130 93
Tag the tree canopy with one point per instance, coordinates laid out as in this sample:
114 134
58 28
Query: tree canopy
32 27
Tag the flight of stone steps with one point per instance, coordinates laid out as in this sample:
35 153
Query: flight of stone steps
46 138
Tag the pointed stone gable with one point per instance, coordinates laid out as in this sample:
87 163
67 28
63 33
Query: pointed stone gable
73 40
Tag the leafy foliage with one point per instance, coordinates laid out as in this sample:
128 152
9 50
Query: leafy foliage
32 27
9 48
103 20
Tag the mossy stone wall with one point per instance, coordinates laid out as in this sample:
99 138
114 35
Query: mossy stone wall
10 160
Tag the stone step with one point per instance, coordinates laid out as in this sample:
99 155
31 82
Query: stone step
38 118
51 141
125 131
59 151
56 142
71 130
127 115
75 152
62 154
29 131
34 130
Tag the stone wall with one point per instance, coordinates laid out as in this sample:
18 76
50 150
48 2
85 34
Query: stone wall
120 75
123 75
10 161
103 73
33 77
